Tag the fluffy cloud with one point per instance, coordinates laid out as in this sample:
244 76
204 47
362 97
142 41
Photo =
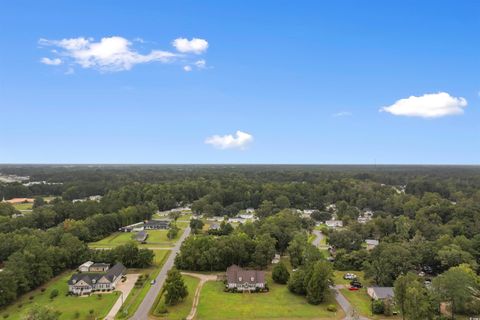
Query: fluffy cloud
117 53
201 64
238 141
187 68
51 62
108 54
195 45
432 105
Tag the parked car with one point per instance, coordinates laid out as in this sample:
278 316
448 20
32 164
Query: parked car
352 288
153 282
349 276
356 284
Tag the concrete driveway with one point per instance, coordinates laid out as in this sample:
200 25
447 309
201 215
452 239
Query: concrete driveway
124 288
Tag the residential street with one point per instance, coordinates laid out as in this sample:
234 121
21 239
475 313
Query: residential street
147 303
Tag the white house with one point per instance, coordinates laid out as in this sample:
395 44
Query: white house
334 223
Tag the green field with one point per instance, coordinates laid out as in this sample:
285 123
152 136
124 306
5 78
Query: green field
23 206
137 295
181 310
67 305
156 239
279 303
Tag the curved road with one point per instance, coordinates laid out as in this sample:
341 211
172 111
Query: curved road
318 237
147 303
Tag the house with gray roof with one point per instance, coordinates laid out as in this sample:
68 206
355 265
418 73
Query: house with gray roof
239 279
380 293
141 236
88 282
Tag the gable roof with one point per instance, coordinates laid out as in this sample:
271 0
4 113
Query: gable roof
91 278
235 274
383 292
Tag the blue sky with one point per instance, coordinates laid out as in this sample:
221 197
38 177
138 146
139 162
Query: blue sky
303 82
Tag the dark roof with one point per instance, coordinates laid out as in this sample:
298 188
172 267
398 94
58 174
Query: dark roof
235 274
111 274
156 222
141 235
99 265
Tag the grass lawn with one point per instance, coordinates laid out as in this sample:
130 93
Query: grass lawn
23 206
156 238
338 277
279 303
362 302
67 305
181 310
137 295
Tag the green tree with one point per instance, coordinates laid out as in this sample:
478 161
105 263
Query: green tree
172 232
296 282
196 225
455 286
280 273
318 287
175 288
282 202
401 285
419 303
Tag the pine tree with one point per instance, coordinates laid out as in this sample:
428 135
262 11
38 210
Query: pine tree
175 288
280 273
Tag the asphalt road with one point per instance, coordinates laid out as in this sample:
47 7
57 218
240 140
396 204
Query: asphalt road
147 303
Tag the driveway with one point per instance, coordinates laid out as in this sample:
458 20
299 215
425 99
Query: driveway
345 304
319 236
124 288
147 303
203 278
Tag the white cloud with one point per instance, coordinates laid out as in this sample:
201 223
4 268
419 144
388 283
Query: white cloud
108 54
195 45
51 62
342 114
432 105
201 64
239 141
187 68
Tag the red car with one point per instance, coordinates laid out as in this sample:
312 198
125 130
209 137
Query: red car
351 288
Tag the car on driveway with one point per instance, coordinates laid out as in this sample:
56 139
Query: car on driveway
349 276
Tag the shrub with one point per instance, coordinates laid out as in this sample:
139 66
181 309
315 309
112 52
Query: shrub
5 316
280 273
31 297
91 311
43 289
332 308
76 315
162 308
53 294
377 307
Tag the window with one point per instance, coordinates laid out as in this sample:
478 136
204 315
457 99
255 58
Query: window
252 279
239 279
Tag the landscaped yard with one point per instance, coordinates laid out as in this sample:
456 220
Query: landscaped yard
181 310
137 294
279 303
156 239
71 307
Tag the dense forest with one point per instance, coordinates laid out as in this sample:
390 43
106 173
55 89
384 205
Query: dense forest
426 219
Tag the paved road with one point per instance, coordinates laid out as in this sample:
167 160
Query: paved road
147 303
